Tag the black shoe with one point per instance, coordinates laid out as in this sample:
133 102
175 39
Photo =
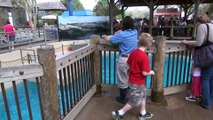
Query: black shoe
123 101
116 115
146 116
204 106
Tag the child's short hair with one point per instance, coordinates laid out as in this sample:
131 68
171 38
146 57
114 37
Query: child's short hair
145 39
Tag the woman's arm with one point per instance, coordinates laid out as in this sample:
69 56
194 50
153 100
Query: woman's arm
189 43
200 37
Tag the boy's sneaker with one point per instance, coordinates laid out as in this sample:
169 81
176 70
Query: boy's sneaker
191 98
146 116
116 115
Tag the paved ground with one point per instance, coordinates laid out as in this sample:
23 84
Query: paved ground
176 108
13 58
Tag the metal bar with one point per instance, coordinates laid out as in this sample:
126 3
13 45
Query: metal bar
28 99
39 97
189 66
177 66
82 76
45 36
79 78
109 67
76 81
105 67
66 90
69 85
85 74
62 93
22 61
62 49
91 70
184 73
17 101
114 73
173 63
101 67
152 78
88 72
181 67
5 101
168 72
34 55
73 85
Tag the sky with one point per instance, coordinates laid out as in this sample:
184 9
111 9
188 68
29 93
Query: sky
88 4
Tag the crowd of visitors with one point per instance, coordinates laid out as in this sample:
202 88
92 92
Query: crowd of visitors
162 26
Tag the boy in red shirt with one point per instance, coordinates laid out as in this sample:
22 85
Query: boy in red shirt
139 64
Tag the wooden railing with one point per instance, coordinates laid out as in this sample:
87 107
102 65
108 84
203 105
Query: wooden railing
65 83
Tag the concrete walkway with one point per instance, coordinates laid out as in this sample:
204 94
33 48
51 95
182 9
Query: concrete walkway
176 108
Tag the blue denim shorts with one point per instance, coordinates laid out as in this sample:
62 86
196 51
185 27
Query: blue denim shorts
137 94
12 38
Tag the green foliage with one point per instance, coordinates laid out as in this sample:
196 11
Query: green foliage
102 9
210 9
136 13
77 5
40 23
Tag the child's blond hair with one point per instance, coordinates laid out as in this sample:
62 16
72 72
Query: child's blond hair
145 40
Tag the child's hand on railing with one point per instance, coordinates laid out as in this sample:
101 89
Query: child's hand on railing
105 37
152 72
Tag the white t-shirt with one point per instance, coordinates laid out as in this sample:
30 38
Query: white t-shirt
196 72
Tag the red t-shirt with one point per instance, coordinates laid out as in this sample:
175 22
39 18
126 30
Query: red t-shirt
9 28
138 62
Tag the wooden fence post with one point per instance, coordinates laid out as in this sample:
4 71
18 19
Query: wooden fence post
49 86
157 93
96 64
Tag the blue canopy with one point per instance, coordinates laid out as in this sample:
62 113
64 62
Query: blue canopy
78 13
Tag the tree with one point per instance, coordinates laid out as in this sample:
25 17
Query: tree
29 6
102 8
210 9
136 13
77 5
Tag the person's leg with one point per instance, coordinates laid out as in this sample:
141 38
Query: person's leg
118 115
122 75
206 77
143 107
143 115
12 39
196 91
211 89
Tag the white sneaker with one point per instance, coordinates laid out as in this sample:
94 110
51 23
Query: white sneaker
191 98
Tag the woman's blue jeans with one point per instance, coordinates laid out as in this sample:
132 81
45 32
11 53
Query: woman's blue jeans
207 86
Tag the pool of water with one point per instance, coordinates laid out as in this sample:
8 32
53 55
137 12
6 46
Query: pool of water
33 95
174 72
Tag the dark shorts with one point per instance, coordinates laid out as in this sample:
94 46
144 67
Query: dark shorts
12 38
137 94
